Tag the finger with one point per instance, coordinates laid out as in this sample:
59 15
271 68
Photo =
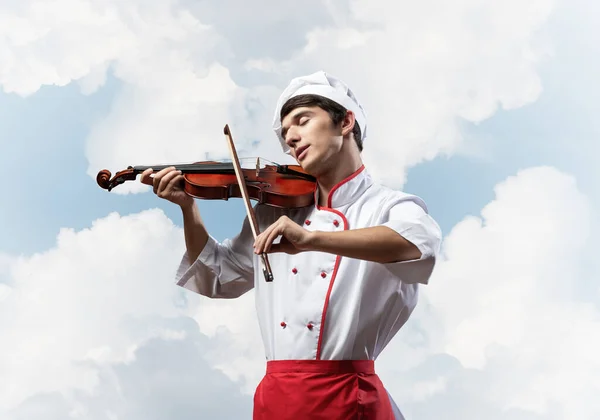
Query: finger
146 177
176 181
279 228
160 174
165 184
259 243
157 178
161 179
273 234
260 238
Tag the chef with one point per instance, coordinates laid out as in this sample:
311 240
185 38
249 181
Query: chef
346 269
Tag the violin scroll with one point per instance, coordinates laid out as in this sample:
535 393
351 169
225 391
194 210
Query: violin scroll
105 182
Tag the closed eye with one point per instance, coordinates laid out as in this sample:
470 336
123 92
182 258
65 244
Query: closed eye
302 117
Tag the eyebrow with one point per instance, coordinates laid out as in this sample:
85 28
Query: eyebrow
295 117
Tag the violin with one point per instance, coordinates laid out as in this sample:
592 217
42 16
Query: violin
282 186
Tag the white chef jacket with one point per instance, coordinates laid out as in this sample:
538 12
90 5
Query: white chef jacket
319 305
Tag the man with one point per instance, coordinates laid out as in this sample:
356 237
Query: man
346 270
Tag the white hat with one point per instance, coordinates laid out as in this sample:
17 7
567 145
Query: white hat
323 84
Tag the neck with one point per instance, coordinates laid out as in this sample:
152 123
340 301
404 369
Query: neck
347 164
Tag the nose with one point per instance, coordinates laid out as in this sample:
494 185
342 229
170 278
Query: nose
292 136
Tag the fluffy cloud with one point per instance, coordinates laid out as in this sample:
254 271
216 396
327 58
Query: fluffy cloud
164 380
237 348
422 68
98 324
501 332
177 119
419 68
174 93
60 41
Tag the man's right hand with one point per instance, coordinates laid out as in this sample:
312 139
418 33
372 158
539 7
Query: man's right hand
168 184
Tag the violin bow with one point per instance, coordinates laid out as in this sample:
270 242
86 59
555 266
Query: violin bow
243 189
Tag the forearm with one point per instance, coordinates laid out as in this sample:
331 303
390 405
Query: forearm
379 244
194 230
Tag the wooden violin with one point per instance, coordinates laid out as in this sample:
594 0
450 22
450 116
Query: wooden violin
283 186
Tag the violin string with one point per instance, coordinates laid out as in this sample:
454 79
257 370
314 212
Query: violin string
195 166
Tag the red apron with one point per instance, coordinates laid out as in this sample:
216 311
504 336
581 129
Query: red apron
321 389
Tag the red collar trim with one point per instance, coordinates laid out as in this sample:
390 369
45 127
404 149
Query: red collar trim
336 186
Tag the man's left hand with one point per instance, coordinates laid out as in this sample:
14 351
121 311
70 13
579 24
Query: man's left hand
294 238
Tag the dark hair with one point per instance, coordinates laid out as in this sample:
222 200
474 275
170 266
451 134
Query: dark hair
336 111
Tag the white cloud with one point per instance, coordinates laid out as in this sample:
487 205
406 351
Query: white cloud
164 381
164 123
176 97
238 350
60 41
92 302
503 311
418 68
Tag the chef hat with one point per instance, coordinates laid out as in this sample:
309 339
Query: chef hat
323 84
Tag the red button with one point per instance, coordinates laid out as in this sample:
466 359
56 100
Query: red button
307 222
283 324
336 223
309 326
294 270
323 274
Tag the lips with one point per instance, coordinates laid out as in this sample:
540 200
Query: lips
301 152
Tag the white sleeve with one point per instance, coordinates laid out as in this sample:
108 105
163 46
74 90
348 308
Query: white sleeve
222 270
409 218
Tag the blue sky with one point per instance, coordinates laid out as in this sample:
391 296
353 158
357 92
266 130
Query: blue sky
87 274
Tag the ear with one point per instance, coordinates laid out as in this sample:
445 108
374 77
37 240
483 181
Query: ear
348 123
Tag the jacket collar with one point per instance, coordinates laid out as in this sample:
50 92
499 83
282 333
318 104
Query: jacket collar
347 190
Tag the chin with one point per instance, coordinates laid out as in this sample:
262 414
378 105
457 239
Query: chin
306 165
311 167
